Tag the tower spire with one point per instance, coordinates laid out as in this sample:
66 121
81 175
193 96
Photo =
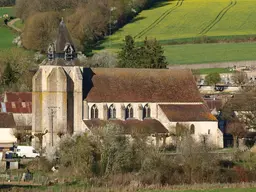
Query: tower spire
63 46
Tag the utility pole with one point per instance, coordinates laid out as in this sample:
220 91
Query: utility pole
52 113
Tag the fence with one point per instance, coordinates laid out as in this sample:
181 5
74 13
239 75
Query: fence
16 178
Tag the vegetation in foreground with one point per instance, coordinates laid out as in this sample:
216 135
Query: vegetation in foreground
110 161
246 187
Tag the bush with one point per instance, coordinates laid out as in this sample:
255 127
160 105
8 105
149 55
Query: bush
80 156
103 59
108 157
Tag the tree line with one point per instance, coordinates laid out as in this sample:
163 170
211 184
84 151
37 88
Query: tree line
88 21
6 3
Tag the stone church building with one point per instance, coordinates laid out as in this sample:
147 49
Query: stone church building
70 99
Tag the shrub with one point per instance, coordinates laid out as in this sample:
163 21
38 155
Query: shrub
79 155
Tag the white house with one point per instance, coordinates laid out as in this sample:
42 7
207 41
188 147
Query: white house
7 126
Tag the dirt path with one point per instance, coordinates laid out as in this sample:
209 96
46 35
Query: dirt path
11 24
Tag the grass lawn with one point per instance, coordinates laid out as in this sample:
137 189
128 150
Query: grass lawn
209 53
7 37
214 70
19 24
6 10
191 18
6 34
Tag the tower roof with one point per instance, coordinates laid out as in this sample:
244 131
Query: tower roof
63 38
63 48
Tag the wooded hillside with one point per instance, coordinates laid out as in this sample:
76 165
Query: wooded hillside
87 20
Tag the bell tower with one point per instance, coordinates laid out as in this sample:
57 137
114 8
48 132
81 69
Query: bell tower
57 93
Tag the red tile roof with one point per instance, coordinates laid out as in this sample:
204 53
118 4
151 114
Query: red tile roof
7 120
140 85
1 98
182 113
17 107
18 97
147 126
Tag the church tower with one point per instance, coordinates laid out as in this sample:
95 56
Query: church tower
57 93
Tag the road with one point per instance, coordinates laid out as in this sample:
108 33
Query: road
214 65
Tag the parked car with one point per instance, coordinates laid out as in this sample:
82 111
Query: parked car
27 152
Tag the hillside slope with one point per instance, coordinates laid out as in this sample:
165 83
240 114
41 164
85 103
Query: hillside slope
191 18
6 34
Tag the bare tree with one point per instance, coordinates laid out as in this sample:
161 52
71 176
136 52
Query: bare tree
22 135
39 30
236 129
181 130
240 78
40 138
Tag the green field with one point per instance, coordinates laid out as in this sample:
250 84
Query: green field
214 70
190 21
208 53
6 10
6 34
192 18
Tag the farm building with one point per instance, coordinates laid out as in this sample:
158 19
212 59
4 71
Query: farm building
20 105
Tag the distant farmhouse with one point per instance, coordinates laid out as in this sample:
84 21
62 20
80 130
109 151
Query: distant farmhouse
70 99
15 115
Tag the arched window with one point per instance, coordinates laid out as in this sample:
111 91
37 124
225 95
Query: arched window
94 112
129 111
192 129
146 111
112 112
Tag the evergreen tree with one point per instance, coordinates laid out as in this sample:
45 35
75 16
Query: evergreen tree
150 55
10 76
126 57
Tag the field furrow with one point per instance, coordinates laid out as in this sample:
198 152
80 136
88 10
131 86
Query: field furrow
190 19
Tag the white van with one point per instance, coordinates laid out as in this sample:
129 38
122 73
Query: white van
27 152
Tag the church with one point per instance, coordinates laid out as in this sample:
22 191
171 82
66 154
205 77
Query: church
70 99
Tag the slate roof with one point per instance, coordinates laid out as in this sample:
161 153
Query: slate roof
147 126
63 37
140 85
184 113
18 97
7 120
